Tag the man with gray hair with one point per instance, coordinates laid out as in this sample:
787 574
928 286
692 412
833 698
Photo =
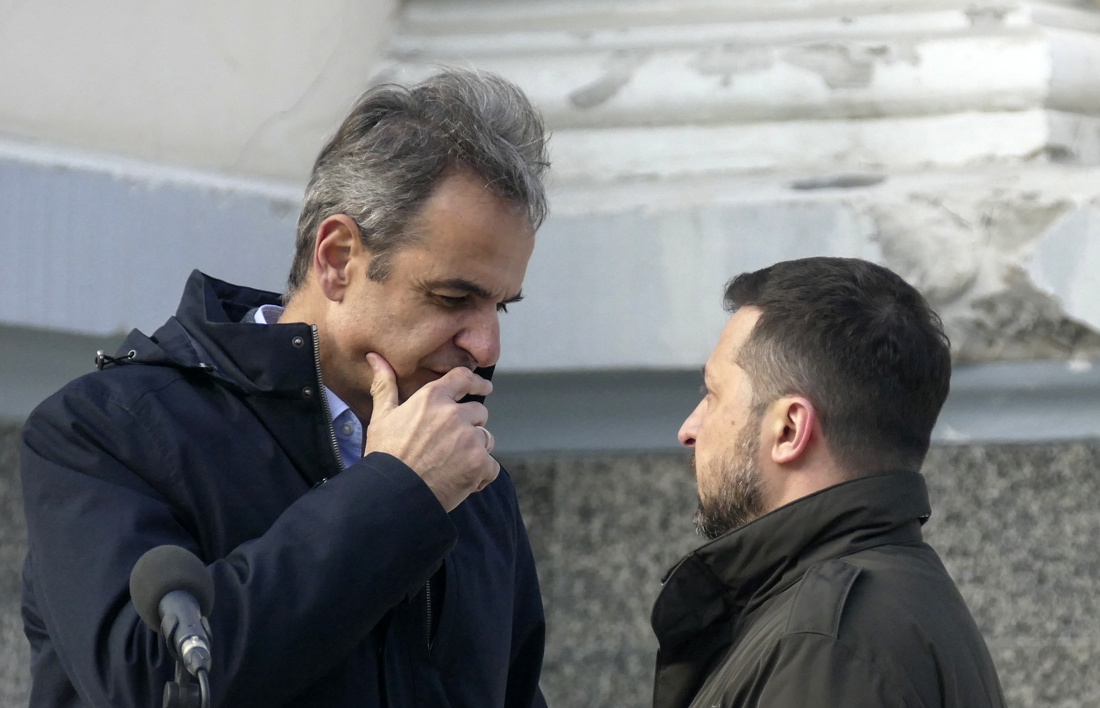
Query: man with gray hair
324 453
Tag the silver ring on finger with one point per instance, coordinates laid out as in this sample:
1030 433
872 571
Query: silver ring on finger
490 441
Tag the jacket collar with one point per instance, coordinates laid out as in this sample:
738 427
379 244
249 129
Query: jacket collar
273 367
257 358
738 571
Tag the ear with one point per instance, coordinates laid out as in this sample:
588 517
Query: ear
791 424
338 245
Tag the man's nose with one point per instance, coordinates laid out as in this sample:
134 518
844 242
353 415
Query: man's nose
689 430
480 338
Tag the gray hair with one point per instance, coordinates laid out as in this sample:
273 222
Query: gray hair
399 141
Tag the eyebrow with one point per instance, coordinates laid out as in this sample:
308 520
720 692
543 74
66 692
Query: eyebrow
468 286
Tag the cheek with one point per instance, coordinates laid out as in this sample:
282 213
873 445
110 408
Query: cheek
433 337
422 347
714 439
410 350
706 476
711 431
350 326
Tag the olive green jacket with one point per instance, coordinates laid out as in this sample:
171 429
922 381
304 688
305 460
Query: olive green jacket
833 600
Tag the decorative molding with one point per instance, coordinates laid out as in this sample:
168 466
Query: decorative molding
639 410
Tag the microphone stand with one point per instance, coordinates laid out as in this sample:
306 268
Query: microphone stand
172 591
181 693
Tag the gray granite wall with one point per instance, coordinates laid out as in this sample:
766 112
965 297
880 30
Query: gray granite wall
1017 526
14 653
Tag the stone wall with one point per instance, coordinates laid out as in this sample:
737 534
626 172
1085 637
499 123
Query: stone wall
1016 525
955 142
14 652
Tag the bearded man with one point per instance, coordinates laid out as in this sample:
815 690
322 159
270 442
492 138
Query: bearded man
816 588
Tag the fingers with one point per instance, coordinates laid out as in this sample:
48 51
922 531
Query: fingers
383 386
460 382
445 442
493 473
473 413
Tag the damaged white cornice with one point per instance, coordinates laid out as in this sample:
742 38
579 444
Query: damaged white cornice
956 141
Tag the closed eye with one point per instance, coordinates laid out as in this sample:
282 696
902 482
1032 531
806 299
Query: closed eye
472 294
453 300
503 306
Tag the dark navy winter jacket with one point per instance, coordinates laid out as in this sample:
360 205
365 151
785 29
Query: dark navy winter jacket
213 435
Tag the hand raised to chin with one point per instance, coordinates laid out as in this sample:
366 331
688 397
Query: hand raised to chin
440 439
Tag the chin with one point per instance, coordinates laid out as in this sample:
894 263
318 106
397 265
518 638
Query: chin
406 387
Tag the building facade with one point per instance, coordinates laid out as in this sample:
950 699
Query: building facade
956 142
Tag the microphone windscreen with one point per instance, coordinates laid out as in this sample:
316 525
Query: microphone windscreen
164 569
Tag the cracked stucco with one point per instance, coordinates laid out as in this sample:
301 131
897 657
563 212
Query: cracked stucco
969 255
618 72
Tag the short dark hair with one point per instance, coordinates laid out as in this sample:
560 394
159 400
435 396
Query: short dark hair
399 141
860 343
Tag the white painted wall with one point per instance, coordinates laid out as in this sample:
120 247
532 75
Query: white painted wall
248 87
958 143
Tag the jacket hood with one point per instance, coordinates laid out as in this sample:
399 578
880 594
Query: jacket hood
737 571
207 334
273 368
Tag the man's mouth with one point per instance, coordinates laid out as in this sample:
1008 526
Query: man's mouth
443 372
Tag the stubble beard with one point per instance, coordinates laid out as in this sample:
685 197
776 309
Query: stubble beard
740 494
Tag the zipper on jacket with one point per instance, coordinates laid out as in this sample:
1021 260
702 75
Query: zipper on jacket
428 613
324 404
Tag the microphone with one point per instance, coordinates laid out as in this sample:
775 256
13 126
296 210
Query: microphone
173 592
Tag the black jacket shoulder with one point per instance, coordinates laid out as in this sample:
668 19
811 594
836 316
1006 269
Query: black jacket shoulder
820 597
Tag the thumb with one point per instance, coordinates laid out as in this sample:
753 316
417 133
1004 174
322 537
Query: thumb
383 386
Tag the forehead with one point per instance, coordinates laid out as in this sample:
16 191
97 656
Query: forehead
734 334
463 199
465 231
